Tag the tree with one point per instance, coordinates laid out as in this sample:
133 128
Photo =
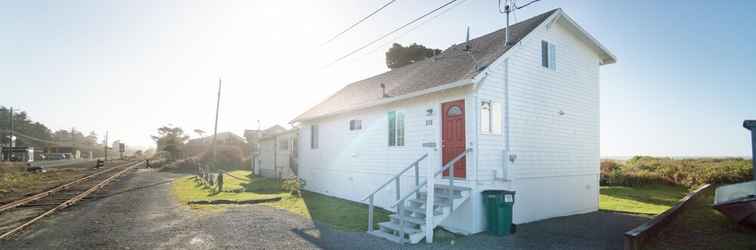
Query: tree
171 140
28 132
200 132
398 56
91 139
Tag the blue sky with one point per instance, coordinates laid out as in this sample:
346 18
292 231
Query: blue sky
683 84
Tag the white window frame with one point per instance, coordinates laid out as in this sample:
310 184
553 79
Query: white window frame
490 118
399 129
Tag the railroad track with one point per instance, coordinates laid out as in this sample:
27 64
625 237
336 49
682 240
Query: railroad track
21 213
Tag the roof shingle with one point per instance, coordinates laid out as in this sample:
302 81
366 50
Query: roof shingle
452 65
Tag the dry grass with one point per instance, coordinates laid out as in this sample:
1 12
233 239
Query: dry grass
700 226
15 181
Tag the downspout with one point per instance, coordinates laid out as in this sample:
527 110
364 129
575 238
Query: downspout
476 120
507 150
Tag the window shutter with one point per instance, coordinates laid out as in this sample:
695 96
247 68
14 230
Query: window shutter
400 129
314 136
545 54
392 128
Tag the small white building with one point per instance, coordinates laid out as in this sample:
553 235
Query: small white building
522 117
278 155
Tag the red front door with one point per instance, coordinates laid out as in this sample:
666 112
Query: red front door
453 135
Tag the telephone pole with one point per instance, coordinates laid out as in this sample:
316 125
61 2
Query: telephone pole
12 139
106 145
215 130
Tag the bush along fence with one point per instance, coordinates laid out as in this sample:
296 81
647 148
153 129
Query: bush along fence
209 178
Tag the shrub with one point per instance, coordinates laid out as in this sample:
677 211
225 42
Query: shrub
643 170
293 185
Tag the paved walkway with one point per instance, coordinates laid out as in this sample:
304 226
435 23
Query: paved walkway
139 213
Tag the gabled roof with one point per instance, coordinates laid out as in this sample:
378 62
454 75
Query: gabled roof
453 67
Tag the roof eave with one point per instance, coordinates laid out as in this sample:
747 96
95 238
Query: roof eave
607 57
384 101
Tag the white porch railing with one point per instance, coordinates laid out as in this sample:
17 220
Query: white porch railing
428 183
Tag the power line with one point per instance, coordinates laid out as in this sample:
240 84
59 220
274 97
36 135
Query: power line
358 22
416 27
391 32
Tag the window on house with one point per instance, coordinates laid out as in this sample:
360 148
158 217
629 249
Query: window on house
548 55
396 129
314 134
490 117
283 144
355 125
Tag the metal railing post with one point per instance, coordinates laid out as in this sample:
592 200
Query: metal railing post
451 188
398 194
401 223
417 174
370 215
429 201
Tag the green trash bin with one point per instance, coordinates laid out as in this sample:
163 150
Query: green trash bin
498 205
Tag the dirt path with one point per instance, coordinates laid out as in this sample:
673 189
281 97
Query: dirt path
139 213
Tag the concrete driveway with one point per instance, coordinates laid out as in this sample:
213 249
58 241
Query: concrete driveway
138 212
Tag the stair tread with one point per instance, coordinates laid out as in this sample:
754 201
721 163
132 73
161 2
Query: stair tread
414 220
385 235
395 227
459 188
420 210
437 202
442 195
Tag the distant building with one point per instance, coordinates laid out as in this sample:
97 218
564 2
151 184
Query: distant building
253 142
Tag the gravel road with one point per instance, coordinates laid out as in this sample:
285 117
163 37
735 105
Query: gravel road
138 212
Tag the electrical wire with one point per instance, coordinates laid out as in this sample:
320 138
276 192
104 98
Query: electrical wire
416 27
358 22
389 33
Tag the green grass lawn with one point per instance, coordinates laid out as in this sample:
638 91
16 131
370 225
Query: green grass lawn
338 213
651 200
700 226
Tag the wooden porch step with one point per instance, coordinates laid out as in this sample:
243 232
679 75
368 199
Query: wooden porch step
439 195
385 235
410 219
408 229
438 202
455 188
421 210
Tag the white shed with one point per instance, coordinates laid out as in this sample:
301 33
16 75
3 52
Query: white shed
278 154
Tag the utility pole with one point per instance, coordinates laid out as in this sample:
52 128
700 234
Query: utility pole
12 139
73 144
215 130
106 145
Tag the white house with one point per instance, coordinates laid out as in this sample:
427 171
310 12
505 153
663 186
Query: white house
522 117
278 152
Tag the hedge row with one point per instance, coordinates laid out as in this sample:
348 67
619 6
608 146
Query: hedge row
643 170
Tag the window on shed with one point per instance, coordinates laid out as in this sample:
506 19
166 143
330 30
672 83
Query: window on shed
314 134
355 125
396 129
548 55
490 117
